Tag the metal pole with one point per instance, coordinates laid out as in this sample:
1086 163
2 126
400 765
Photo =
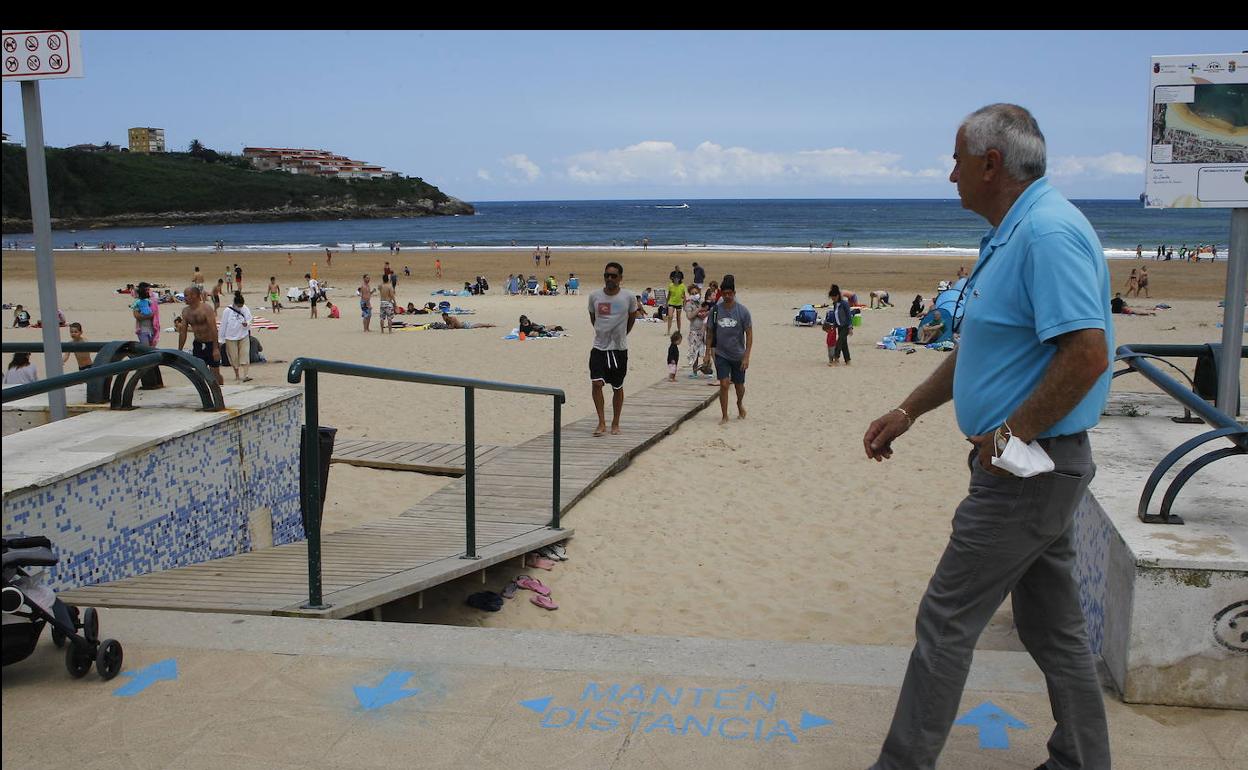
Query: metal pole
1233 314
555 473
312 499
41 220
470 473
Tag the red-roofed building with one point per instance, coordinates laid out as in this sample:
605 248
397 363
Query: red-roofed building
313 163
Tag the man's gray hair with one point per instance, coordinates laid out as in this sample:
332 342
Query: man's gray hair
1013 132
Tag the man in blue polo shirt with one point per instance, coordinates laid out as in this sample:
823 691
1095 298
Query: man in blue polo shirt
1032 363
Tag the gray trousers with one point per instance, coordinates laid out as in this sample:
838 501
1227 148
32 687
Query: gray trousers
1010 535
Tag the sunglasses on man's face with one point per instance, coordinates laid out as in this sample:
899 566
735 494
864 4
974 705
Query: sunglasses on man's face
611 275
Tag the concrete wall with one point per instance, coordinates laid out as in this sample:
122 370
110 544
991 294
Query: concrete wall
160 488
1164 631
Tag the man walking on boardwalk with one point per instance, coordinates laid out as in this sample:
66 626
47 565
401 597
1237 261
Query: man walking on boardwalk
1032 364
612 314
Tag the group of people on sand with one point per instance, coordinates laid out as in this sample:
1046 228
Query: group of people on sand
1137 283
613 311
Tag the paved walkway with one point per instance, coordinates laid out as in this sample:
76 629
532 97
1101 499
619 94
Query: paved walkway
230 691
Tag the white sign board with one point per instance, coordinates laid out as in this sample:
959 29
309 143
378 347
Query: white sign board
1198 132
41 54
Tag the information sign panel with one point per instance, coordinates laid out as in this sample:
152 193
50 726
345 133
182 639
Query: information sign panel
1198 132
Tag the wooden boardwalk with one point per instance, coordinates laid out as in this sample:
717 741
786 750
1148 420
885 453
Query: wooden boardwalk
418 456
378 562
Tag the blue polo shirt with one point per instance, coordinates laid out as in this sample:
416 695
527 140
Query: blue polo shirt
1041 273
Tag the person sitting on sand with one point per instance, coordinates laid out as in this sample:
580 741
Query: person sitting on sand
334 312
932 329
530 329
917 307
454 323
1118 305
21 318
411 308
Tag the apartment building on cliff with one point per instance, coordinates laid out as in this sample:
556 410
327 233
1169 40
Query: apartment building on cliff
313 163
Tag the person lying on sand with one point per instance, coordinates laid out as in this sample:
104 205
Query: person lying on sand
1118 305
454 323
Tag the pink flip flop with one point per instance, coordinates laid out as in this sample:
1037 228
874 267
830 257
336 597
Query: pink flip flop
545 602
532 584
540 562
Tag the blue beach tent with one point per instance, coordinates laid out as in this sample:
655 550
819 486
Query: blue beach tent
947 303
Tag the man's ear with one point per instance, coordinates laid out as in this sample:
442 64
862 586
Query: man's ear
993 164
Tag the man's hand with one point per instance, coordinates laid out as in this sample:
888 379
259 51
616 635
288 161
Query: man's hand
878 440
984 446
745 362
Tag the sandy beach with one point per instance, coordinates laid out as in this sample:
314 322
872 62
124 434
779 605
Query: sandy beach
776 527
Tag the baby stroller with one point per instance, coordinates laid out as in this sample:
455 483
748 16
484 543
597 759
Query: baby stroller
29 606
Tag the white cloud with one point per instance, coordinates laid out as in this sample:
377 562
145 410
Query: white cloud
659 162
1110 164
521 163
483 174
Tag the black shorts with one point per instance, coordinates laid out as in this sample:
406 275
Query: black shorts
609 366
203 351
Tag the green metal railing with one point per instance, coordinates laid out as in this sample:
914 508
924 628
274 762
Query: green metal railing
309 368
110 361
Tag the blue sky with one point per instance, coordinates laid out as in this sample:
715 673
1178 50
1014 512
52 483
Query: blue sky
601 115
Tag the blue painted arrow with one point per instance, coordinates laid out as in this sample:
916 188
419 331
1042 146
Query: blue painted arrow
537 704
992 722
145 677
389 691
810 720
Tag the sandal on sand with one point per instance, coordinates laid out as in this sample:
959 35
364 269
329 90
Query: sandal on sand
545 602
532 584
550 553
559 551
537 561
509 591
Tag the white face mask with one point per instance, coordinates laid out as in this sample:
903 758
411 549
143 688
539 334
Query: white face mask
1023 460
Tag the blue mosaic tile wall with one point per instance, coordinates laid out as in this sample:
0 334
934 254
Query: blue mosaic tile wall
1092 532
183 502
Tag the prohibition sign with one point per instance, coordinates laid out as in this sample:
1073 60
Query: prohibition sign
54 42
54 61
32 43
10 44
33 63
10 64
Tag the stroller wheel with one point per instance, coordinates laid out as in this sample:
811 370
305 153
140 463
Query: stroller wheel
78 659
91 625
108 659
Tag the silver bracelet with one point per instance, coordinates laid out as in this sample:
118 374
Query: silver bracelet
904 413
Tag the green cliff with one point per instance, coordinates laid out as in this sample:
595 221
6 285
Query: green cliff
116 189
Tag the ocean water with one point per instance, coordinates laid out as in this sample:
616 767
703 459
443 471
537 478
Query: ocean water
906 226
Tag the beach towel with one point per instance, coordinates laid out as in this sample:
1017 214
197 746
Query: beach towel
515 335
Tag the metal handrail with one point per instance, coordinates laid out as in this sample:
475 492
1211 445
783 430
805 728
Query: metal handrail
122 392
308 368
1225 426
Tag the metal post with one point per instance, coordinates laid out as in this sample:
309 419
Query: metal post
41 220
555 503
312 499
1233 314
470 474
